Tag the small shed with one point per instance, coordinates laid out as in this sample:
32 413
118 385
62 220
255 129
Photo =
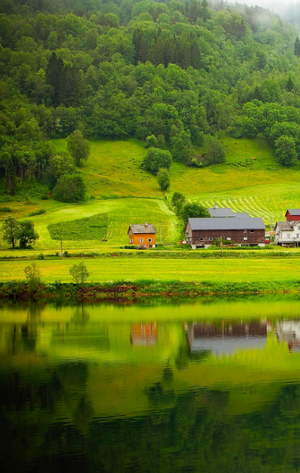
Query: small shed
142 234
292 215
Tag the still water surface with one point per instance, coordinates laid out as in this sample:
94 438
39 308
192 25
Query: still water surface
212 386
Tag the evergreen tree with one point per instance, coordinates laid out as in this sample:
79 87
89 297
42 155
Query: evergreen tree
297 47
71 88
289 85
53 76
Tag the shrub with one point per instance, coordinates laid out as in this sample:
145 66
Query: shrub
163 179
156 159
37 212
6 209
70 188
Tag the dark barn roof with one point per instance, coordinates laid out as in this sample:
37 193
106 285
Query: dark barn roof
142 228
227 223
293 212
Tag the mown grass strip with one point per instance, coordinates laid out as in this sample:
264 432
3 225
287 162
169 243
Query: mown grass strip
90 228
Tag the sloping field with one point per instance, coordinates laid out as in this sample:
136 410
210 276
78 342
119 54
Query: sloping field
250 181
118 215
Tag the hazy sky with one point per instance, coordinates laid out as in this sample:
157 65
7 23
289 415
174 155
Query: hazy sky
273 5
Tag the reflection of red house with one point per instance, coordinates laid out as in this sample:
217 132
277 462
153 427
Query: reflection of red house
143 334
292 215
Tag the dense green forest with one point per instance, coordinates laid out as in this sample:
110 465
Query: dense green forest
182 72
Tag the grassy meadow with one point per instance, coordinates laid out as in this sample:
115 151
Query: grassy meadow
214 271
121 193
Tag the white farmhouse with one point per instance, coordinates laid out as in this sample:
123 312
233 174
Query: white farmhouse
287 233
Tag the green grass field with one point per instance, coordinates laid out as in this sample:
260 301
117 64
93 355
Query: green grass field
131 269
250 181
121 193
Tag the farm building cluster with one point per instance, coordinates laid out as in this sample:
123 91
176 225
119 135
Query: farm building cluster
227 226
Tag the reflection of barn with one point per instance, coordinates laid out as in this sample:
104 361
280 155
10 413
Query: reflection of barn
143 334
289 331
227 337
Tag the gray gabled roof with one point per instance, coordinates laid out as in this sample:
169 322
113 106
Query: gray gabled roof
241 215
283 226
216 212
227 223
293 211
142 228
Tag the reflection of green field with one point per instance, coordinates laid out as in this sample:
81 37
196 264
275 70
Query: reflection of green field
121 373
131 269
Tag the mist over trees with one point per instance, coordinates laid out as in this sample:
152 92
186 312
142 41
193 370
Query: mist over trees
174 75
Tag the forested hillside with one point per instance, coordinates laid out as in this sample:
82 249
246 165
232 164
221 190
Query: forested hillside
179 71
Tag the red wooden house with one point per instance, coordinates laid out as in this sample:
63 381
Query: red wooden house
292 215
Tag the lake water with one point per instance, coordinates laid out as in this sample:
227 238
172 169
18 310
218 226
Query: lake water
211 386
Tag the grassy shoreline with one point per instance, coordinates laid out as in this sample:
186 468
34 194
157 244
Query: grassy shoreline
142 289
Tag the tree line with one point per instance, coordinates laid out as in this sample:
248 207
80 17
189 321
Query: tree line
180 72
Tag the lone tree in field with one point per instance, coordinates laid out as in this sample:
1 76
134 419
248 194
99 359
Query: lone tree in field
163 179
156 159
78 147
79 273
10 230
33 276
26 233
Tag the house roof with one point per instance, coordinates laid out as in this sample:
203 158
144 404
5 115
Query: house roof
241 215
216 212
226 212
142 228
293 212
286 226
227 223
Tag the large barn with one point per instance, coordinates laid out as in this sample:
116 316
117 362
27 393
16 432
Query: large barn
202 232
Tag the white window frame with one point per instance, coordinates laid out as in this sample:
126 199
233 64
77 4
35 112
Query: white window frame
210 238
141 240
245 238
228 238
149 240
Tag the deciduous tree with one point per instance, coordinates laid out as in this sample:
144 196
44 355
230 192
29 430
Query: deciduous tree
79 273
10 230
78 147
163 179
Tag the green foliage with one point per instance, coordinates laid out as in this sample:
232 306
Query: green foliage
297 47
60 165
79 273
78 147
90 228
6 209
178 200
33 277
26 233
286 151
163 179
216 151
70 188
156 159
10 231
151 141
193 210
37 212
